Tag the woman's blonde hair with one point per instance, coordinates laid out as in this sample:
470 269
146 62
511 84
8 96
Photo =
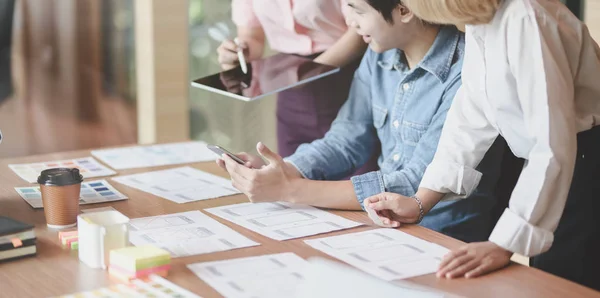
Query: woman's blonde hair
454 12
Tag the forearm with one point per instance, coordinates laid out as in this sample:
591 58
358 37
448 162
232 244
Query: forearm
348 48
325 194
429 198
255 38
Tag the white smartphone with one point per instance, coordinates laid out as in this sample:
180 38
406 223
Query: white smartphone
220 151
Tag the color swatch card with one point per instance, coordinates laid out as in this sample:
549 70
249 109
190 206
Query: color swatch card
91 193
180 185
386 253
88 167
283 221
154 286
155 155
185 234
268 276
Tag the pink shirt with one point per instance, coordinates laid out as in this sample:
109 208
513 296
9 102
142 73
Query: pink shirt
301 27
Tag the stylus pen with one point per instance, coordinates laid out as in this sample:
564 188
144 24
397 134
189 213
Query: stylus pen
240 53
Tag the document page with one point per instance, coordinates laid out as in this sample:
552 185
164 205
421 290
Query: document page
180 185
283 221
268 276
155 155
386 253
186 234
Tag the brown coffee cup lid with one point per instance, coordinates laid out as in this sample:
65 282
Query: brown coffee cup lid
60 177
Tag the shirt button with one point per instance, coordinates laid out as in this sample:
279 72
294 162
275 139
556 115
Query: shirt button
406 86
396 124
396 157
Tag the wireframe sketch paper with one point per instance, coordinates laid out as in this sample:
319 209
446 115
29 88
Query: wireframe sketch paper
185 234
154 155
283 221
267 276
180 185
386 253
326 279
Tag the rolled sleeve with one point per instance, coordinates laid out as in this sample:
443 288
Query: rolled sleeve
301 164
242 13
515 234
367 185
458 181
466 137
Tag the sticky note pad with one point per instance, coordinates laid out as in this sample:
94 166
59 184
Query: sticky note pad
135 258
64 234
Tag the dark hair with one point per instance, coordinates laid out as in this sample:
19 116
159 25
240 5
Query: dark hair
385 8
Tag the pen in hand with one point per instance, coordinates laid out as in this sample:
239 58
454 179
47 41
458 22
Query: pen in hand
241 58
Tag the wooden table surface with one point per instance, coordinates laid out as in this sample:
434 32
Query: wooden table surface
55 271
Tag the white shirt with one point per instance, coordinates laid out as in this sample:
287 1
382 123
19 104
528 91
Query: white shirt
533 76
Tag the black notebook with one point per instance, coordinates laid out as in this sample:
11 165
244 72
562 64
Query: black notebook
17 239
9 226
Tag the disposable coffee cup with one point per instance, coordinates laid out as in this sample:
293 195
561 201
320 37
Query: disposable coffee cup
60 189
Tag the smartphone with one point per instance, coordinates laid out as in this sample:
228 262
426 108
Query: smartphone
220 151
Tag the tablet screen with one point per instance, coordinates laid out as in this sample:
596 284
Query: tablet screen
265 76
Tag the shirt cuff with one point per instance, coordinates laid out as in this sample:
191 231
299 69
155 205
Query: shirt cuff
515 234
299 169
367 185
458 181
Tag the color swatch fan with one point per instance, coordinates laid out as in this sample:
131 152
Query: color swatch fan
91 193
88 167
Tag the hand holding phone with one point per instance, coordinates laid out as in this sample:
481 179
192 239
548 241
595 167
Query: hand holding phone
220 151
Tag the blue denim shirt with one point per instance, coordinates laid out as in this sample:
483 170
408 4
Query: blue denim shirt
405 110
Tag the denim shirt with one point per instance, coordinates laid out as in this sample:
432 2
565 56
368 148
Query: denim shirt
404 109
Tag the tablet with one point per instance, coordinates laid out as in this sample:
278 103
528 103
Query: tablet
265 77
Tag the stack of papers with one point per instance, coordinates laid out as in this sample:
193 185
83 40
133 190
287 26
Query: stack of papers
386 253
283 221
155 155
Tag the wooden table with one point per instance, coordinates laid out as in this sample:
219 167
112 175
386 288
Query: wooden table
56 271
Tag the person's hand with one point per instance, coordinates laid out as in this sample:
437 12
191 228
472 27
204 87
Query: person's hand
270 183
250 161
474 259
228 56
394 209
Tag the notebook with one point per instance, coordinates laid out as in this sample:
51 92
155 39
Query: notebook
17 239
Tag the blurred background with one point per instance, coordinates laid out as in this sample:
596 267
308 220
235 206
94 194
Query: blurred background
79 74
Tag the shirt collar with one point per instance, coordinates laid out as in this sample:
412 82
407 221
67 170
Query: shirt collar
439 58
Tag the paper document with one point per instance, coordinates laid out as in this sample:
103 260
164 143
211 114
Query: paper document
92 192
283 221
268 276
155 155
185 234
386 253
326 279
88 167
180 185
